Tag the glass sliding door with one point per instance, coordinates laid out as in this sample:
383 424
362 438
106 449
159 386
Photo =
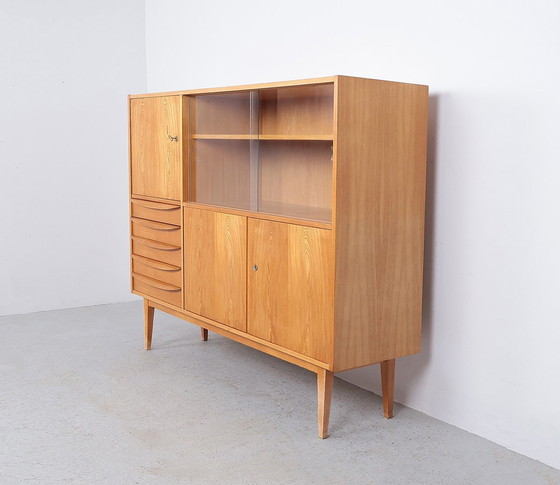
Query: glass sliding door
268 150
295 151
222 141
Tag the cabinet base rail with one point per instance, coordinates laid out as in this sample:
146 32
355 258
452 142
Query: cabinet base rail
325 377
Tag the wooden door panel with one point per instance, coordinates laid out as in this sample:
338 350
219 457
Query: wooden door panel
290 293
155 132
216 266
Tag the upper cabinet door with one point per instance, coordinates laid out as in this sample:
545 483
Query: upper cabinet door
290 287
155 136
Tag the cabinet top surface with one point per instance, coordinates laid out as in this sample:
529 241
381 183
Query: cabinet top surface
245 87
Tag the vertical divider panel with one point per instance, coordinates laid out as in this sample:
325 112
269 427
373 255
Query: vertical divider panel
191 166
185 142
254 151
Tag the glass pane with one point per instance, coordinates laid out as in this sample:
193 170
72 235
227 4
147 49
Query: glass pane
222 139
295 178
304 111
295 151
268 150
221 114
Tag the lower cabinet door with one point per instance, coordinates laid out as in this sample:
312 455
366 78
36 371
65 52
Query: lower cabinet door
216 266
291 287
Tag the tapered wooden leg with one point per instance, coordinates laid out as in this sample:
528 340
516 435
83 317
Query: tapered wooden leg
148 324
204 334
388 386
324 394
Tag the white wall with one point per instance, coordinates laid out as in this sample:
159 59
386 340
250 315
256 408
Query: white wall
490 362
66 68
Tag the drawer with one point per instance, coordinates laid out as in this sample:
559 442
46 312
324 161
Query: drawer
157 270
157 231
156 211
167 253
157 289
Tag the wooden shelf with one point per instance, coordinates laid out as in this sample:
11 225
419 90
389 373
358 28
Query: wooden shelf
306 216
305 213
223 137
297 137
263 137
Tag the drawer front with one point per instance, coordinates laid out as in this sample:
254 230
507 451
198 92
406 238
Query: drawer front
156 250
157 289
156 211
157 270
157 231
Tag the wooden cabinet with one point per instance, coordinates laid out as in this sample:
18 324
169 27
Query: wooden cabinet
287 216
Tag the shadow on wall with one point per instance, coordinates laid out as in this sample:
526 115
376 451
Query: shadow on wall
409 370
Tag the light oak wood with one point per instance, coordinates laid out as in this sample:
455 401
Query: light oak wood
158 289
157 270
300 137
324 397
158 231
215 266
204 334
316 216
289 287
166 253
298 82
388 386
198 136
156 211
186 145
150 198
156 283
156 247
155 150
148 324
335 229
261 136
380 193
240 336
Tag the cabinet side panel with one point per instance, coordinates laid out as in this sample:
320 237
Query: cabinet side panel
380 199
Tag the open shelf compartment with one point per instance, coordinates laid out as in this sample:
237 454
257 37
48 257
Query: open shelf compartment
267 150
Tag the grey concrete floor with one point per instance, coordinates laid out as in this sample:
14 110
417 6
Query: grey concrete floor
81 402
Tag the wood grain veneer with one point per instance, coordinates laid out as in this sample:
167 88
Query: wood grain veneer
155 151
381 138
156 211
290 287
286 216
215 266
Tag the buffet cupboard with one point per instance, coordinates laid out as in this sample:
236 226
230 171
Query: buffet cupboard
286 216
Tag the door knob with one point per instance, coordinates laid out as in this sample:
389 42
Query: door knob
255 267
